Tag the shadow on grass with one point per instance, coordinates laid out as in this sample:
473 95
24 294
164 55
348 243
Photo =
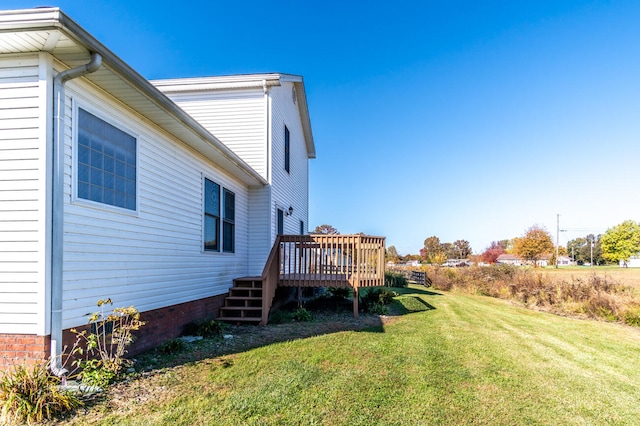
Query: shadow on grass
403 305
415 289
328 317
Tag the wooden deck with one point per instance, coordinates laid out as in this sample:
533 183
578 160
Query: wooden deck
323 261
352 261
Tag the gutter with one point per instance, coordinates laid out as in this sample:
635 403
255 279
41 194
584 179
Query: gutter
57 217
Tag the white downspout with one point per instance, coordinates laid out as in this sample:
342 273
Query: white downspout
57 216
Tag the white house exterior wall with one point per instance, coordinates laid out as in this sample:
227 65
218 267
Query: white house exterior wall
237 118
290 189
152 258
259 224
23 193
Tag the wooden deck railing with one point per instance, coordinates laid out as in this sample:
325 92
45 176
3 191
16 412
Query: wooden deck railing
323 261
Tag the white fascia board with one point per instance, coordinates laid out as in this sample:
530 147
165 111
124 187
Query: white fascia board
231 82
29 19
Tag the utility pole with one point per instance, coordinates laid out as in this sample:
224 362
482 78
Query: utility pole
557 238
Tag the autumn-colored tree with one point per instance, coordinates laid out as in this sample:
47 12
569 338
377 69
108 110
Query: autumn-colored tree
621 242
462 249
495 249
391 254
432 251
534 244
325 230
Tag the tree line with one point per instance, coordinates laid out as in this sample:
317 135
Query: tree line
618 243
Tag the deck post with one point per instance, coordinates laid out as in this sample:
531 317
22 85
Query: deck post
355 302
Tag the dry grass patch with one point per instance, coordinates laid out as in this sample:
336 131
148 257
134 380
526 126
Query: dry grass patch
582 294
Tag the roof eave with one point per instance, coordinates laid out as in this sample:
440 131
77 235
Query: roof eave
55 19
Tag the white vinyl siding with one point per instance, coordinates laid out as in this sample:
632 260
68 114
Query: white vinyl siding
153 259
238 120
260 222
23 189
290 188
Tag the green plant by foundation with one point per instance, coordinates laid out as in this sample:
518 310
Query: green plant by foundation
106 343
32 394
395 279
206 328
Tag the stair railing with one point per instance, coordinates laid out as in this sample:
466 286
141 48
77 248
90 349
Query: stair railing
270 277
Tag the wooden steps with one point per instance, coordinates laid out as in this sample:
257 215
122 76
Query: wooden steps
244 303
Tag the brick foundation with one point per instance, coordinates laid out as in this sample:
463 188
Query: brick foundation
162 324
18 348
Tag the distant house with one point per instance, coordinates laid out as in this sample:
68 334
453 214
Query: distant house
456 262
511 259
633 262
565 261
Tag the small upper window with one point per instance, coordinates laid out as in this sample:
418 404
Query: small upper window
280 223
106 162
211 215
287 147
228 222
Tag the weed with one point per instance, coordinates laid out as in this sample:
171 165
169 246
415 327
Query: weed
32 393
594 296
395 279
301 315
374 300
107 343
173 346
280 317
206 328
632 316
339 292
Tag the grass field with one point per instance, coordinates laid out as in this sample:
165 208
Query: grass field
445 359
626 276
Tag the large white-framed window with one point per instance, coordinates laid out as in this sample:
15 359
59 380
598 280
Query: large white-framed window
106 162
219 218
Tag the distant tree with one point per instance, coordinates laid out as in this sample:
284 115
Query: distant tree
576 249
392 254
325 230
495 249
462 249
447 250
412 257
432 249
534 244
438 258
621 242
594 248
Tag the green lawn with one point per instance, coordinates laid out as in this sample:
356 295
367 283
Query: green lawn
448 359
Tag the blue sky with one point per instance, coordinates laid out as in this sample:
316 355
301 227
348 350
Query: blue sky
462 119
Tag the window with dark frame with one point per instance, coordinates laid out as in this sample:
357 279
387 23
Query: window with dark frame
287 149
106 163
280 222
301 227
228 222
211 216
